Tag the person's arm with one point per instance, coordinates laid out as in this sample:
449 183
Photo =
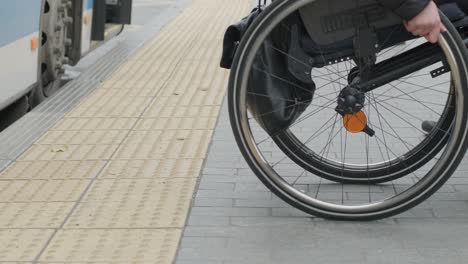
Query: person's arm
421 17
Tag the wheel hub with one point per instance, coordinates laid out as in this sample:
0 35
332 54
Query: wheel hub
350 101
350 104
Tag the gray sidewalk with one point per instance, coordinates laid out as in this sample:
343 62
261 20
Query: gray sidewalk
235 219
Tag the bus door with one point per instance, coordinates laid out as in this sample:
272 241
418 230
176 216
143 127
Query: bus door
107 13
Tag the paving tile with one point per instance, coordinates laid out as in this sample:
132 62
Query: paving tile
218 186
288 211
213 202
162 168
42 190
135 204
198 262
21 170
267 203
232 194
113 245
164 189
225 178
68 152
417 213
94 123
170 144
461 212
178 123
22 244
226 211
213 221
219 171
87 137
33 214
279 222
456 196
213 241
111 107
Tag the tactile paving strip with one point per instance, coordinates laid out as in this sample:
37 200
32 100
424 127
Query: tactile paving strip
113 245
125 169
52 170
42 190
140 203
22 245
69 152
171 144
115 177
33 215
95 124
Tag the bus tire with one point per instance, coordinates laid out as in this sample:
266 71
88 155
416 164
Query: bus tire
56 21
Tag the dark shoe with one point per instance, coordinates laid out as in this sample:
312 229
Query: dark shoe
428 126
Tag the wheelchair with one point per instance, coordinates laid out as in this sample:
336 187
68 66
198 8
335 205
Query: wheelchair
326 100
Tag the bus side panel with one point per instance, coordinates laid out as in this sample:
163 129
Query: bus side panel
87 25
19 42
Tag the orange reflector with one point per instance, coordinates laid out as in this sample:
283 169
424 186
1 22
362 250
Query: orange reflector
355 123
34 43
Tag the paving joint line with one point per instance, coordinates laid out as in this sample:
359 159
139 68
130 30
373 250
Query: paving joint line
199 178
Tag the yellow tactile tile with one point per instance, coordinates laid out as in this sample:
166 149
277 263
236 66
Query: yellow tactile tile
68 152
33 215
111 107
114 245
42 190
159 189
169 144
22 244
95 123
86 137
183 111
127 92
124 163
142 203
21 170
150 79
164 168
178 123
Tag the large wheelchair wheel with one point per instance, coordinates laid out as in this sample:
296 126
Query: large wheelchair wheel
362 90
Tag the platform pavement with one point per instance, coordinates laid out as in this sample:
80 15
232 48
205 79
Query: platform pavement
113 180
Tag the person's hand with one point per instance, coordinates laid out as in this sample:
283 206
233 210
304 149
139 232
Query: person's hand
427 24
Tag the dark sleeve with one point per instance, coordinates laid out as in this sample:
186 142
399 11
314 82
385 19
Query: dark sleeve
406 9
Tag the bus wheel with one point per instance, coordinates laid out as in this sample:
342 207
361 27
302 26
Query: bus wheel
56 20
